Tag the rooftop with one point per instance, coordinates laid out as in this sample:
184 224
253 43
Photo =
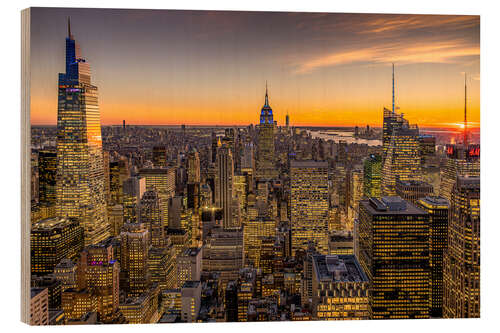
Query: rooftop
413 183
308 164
191 284
35 291
52 223
390 206
338 268
191 252
434 201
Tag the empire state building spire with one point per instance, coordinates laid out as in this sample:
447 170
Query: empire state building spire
266 102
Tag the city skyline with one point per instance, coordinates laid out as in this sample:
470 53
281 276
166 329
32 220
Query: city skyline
321 76
154 224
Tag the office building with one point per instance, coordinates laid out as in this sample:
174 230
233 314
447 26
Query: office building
461 271
133 190
394 254
463 161
413 190
309 204
402 160
80 184
189 265
39 306
52 240
102 279
372 175
143 308
159 154
437 208
47 168
135 242
265 166
190 301
224 186
151 216
340 288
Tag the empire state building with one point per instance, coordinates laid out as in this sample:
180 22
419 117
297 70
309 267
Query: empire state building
80 182
266 168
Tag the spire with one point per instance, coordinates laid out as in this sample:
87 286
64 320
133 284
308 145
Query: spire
266 103
465 111
393 108
70 36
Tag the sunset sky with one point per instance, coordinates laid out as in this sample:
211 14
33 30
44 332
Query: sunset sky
209 67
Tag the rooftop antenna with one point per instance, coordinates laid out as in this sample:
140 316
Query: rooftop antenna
267 101
69 29
393 108
465 110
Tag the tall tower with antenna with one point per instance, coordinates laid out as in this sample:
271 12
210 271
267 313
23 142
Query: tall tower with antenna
393 106
465 111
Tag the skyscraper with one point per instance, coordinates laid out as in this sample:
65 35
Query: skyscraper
80 189
402 160
52 240
333 278
372 176
266 168
224 186
47 168
437 207
134 258
193 168
309 204
463 159
461 271
151 215
159 156
394 253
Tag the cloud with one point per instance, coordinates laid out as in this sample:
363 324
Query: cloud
392 23
433 52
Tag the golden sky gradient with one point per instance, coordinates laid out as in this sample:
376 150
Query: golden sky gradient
210 68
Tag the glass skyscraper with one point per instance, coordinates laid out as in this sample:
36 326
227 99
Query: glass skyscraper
80 185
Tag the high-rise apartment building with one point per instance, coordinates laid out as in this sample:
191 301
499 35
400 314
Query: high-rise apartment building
80 185
461 271
394 254
309 204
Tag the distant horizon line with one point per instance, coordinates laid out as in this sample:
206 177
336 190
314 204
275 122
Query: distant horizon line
451 127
